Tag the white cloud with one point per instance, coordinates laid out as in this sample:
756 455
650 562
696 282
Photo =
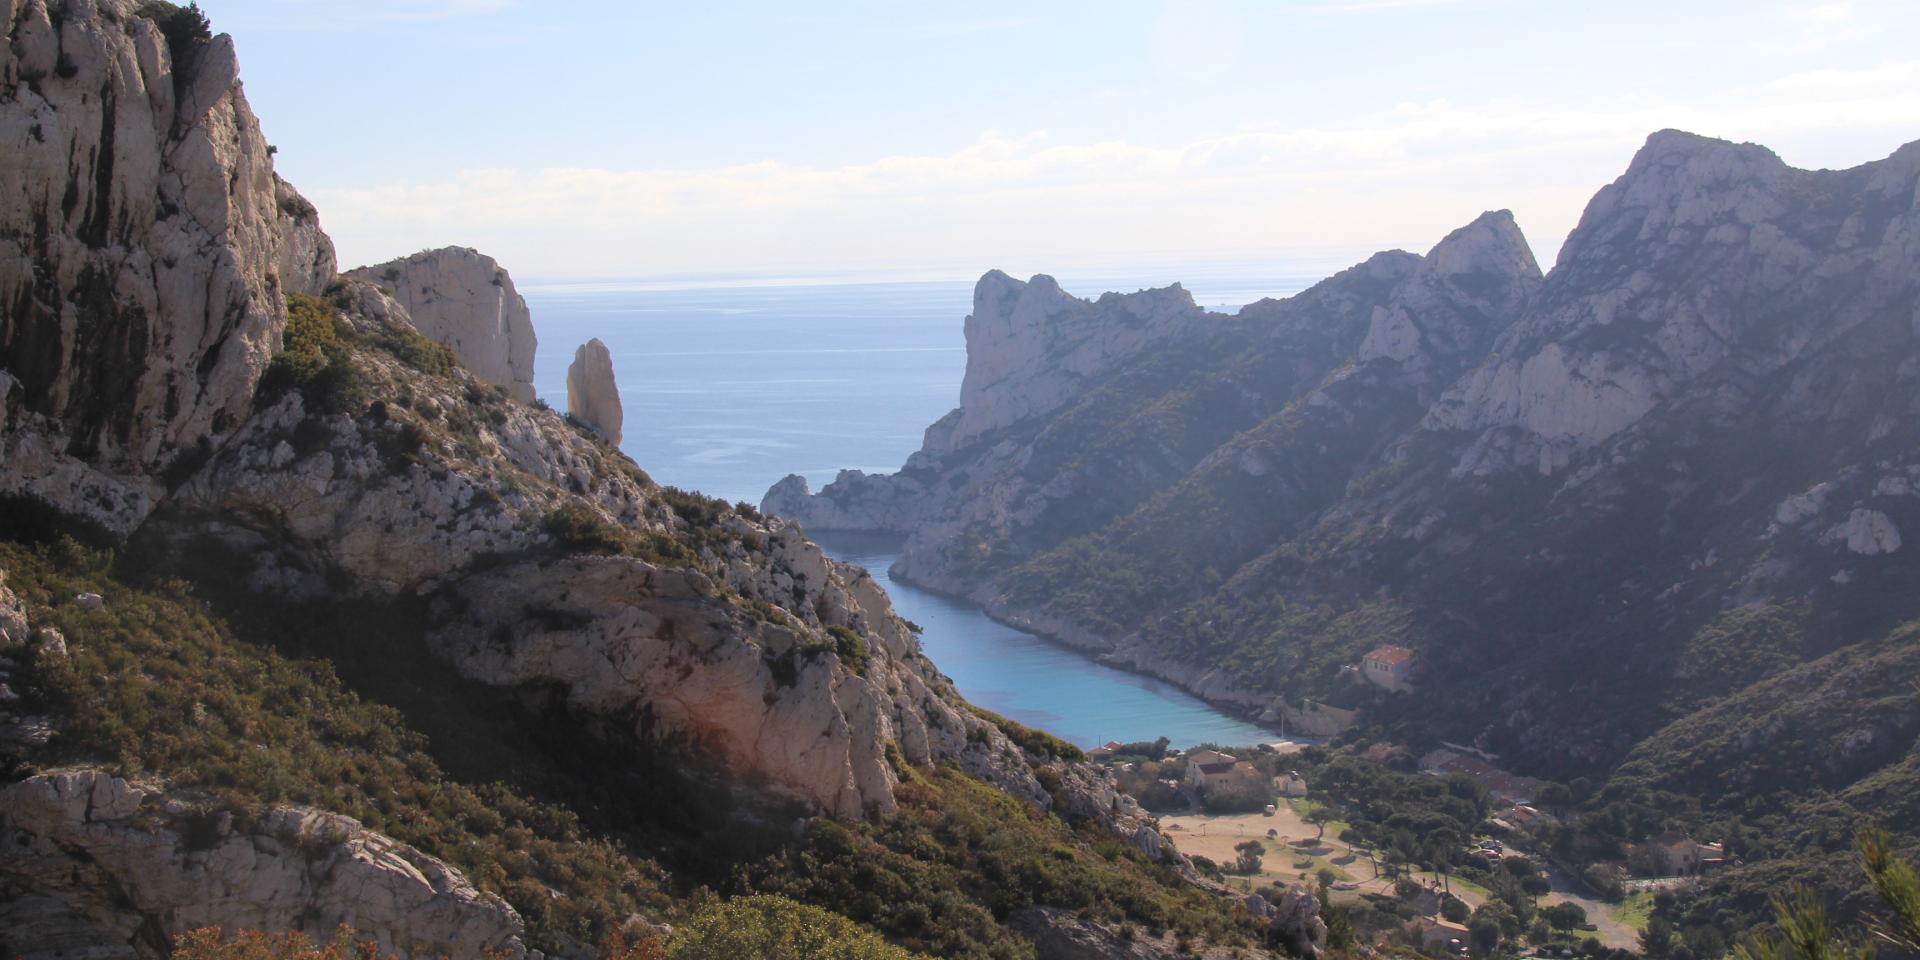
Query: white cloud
1403 177
1824 13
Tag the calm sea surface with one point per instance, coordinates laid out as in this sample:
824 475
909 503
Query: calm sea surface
728 389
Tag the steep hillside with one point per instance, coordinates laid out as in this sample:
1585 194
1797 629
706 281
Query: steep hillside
335 574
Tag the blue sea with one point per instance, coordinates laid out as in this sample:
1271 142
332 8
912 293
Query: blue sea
728 388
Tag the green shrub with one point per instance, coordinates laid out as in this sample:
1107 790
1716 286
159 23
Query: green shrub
186 29
776 928
579 528
313 359
1564 916
935 875
1037 742
160 684
851 650
416 351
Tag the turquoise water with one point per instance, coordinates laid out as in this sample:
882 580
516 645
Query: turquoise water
1038 683
728 389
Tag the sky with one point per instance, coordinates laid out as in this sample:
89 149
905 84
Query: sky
635 139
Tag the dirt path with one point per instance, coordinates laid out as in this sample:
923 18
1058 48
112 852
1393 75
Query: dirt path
1567 889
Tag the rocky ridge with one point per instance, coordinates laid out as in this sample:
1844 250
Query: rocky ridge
1706 406
1385 335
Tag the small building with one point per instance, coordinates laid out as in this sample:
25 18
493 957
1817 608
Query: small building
1209 770
1527 818
1390 668
1291 785
1683 856
1105 750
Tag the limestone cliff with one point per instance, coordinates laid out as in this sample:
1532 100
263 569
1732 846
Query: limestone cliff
593 397
464 300
1031 347
146 247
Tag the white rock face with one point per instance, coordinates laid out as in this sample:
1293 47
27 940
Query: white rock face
464 300
1667 281
15 631
761 697
106 864
1867 532
1801 506
145 249
592 395
1030 347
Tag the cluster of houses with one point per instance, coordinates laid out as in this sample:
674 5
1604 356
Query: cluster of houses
1503 787
1210 770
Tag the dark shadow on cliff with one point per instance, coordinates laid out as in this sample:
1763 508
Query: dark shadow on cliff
656 799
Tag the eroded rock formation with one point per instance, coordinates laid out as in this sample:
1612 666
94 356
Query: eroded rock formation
463 299
593 397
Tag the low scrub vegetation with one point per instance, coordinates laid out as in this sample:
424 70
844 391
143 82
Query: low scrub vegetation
1036 742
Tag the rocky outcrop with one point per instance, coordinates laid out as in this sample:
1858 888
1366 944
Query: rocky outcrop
100 867
593 398
1031 347
1293 920
1060 935
855 500
464 300
145 249
627 638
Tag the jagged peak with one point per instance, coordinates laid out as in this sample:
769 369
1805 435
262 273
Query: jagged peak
1492 243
